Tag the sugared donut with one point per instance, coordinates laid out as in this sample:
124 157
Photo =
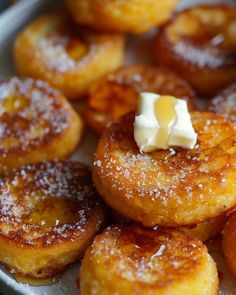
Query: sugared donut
200 44
36 123
130 259
48 216
117 93
68 57
134 16
178 187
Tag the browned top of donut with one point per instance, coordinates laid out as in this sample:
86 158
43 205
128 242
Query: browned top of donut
224 103
203 36
174 187
43 204
178 171
31 114
60 44
117 93
123 86
152 258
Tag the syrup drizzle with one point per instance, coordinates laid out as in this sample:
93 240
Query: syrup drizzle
166 116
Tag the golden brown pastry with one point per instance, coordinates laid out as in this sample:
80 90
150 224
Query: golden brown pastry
224 103
134 16
48 216
130 259
53 49
117 93
36 123
177 187
199 44
229 242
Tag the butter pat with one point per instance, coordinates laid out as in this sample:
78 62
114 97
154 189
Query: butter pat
163 122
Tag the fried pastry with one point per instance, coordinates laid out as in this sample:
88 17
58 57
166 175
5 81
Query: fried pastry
175 187
229 242
117 93
48 216
133 16
36 122
199 43
70 58
224 103
130 259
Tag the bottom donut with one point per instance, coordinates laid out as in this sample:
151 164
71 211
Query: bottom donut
48 216
130 259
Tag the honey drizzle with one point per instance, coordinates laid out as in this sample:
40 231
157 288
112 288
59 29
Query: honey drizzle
36 282
166 116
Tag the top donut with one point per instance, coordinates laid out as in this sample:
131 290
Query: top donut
133 16
199 44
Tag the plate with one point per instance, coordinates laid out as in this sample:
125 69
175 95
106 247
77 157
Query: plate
11 22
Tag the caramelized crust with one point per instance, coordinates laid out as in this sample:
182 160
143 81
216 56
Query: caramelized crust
48 216
200 44
117 93
224 103
229 242
178 187
134 16
133 260
70 58
36 122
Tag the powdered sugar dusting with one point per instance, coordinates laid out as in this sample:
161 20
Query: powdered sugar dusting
145 255
34 195
56 56
212 48
31 113
169 178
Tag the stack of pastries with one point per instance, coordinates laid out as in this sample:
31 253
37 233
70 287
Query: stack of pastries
139 220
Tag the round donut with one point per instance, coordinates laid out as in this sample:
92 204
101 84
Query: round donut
117 93
36 123
130 259
169 188
48 216
53 49
133 16
199 44
224 103
229 242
